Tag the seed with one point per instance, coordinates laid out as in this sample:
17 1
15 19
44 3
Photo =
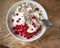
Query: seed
16 14
17 21
19 18
36 9
31 29
16 32
12 20
34 17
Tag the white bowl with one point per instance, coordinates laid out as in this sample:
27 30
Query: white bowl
10 12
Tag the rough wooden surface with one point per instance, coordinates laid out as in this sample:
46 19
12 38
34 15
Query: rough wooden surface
51 38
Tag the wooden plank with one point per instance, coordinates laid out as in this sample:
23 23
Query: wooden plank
51 39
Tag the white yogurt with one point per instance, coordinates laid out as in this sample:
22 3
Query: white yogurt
28 9
36 14
30 28
22 21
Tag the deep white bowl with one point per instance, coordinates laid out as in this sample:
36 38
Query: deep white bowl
8 23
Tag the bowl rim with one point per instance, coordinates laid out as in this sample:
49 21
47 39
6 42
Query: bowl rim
8 26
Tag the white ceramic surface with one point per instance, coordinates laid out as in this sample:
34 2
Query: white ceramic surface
10 12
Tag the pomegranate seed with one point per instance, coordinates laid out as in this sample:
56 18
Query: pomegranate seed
21 34
17 25
12 20
32 33
19 18
17 21
34 17
31 29
36 9
16 14
13 28
33 24
26 27
21 30
21 26
29 36
40 26
16 32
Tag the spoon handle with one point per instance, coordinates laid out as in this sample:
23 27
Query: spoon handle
55 26
49 24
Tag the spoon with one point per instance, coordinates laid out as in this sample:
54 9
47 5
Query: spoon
49 24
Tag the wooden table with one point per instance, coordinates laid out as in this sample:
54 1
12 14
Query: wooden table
51 38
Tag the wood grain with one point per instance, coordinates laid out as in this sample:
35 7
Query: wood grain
51 38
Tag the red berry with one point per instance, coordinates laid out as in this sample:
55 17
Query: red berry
31 29
12 20
16 32
19 18
16 14
21 26
26 27
20 30
17 21
29 36
36 9
40 26
13 28
26 35
34 17
33 24
21 34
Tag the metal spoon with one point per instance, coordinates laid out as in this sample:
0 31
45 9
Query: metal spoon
49 24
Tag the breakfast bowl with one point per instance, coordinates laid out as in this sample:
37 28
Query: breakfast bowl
16 12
